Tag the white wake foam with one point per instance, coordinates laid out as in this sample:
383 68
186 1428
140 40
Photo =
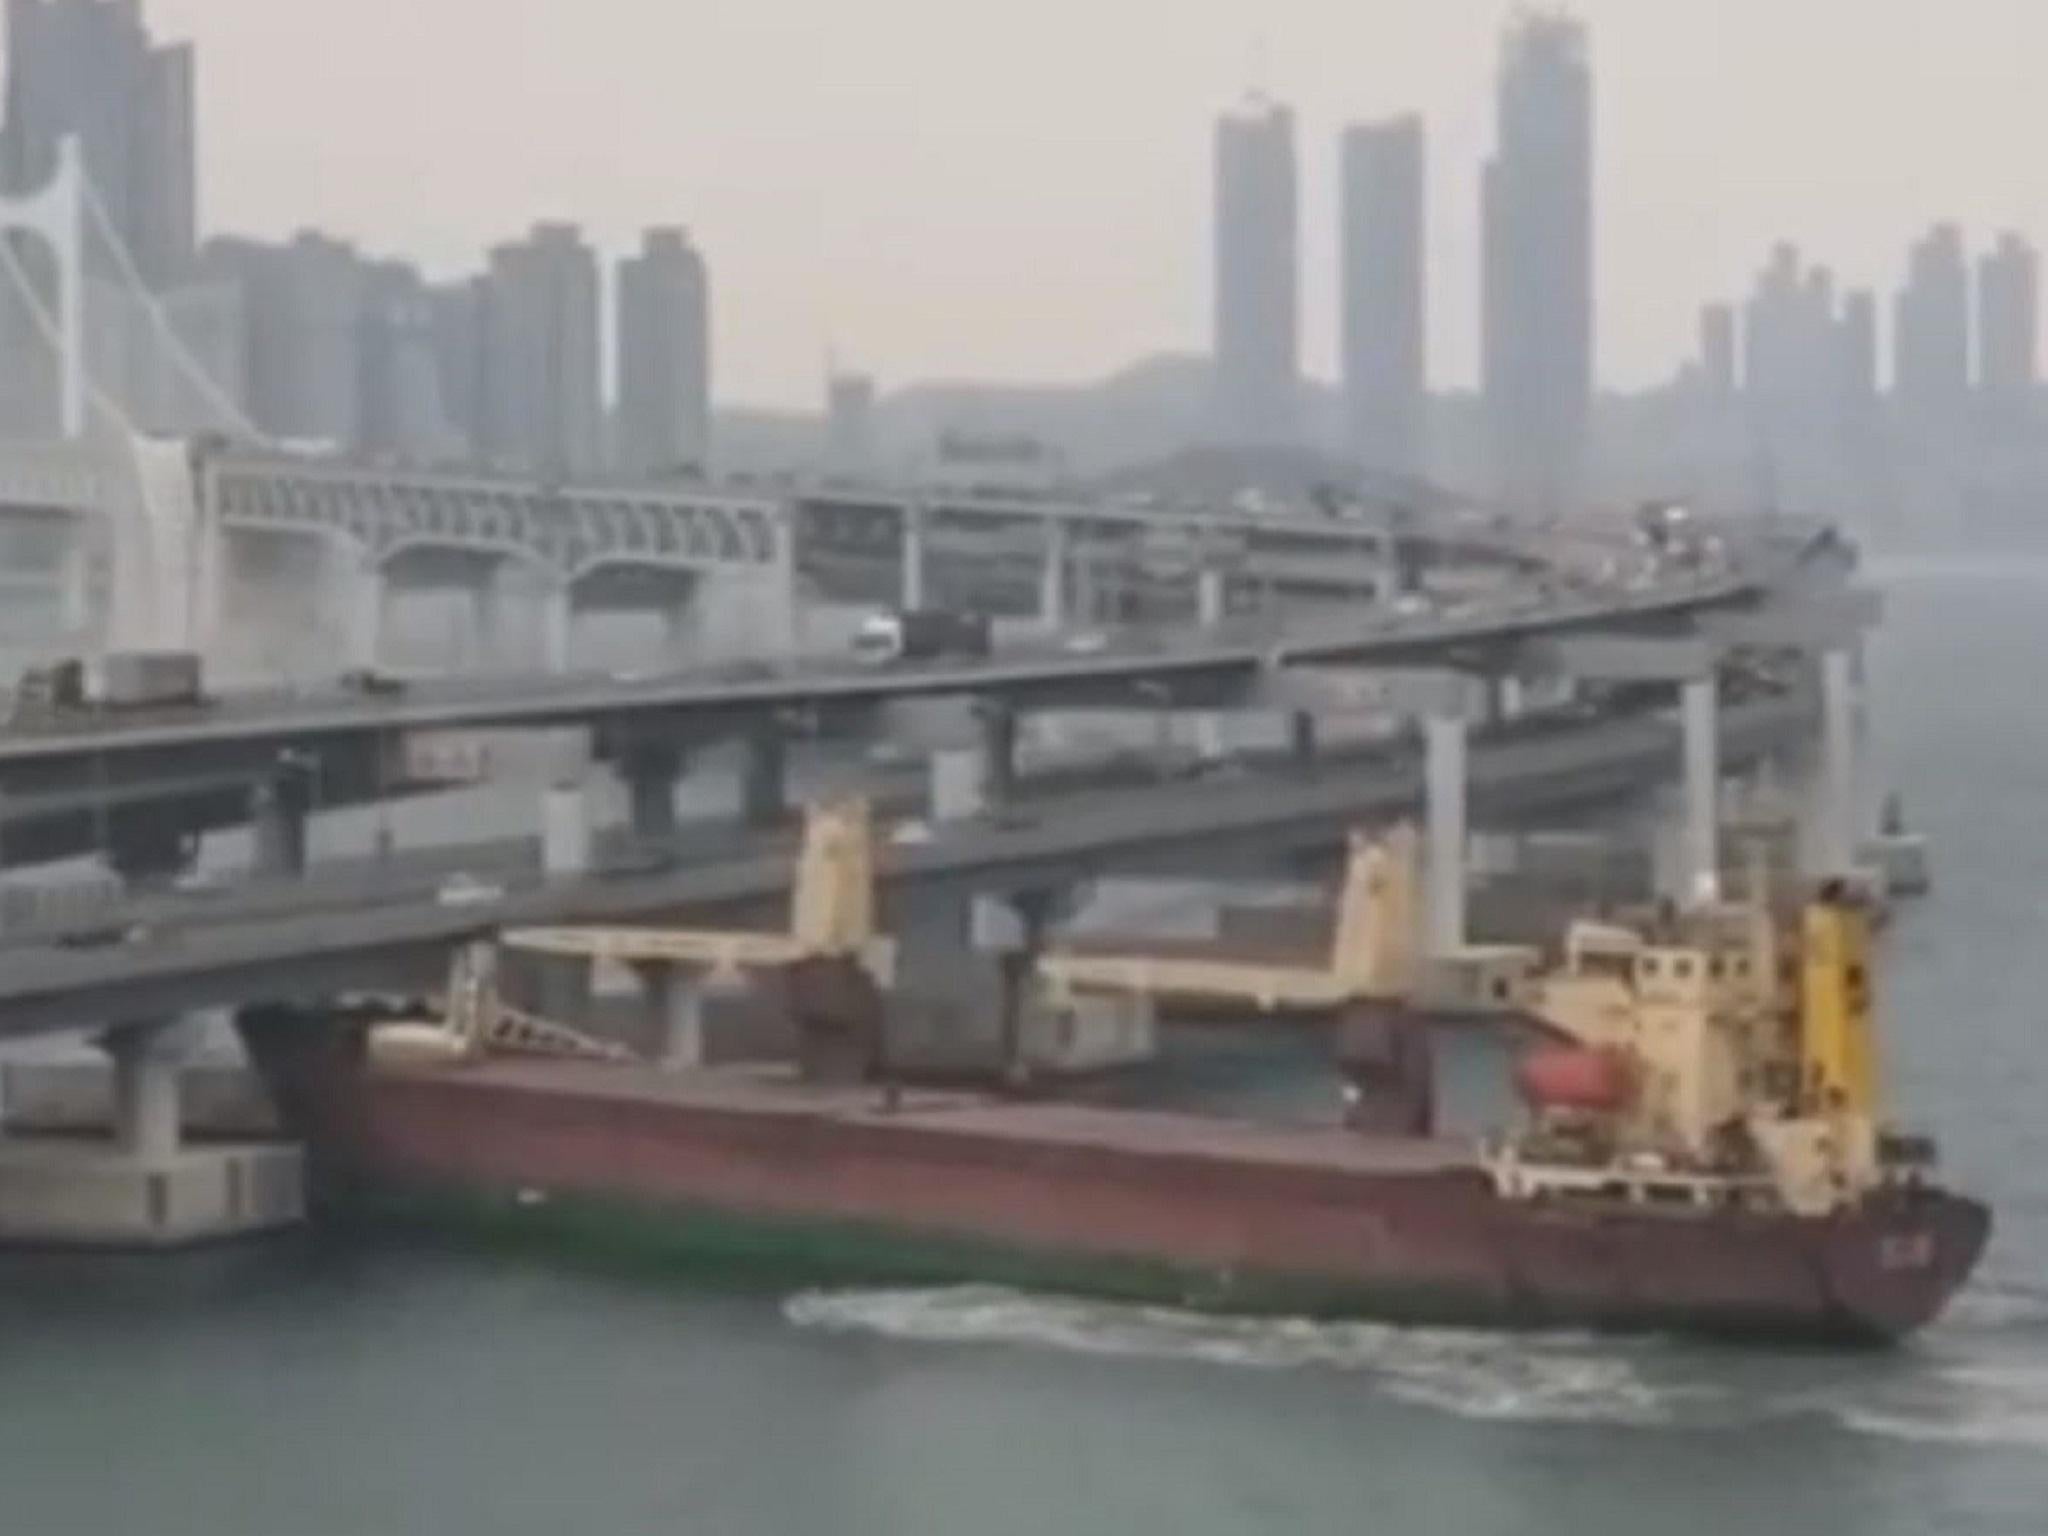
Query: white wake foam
1962 1389
1967 1403
1481 1375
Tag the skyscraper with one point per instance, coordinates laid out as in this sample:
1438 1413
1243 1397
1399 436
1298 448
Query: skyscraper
401 410
1931 341
1790 350
541 408
1856 356
664 356
1383 293
1717 351
302 327
1257 309
2008 315
1537 287
90 68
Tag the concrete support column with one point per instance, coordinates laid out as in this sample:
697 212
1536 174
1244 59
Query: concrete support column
1838 820
785 586
998 753
363 596
485 649
650 773
1512 702
1503 698
74 595
764 781
1700 724
1211 592
1052 578
675 1001
557 626
1301 737
279 809
565 830
1445 789
1013 928
146 1107
958 790
914 540
149 849
679 630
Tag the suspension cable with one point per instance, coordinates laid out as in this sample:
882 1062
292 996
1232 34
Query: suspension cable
194 371
53 333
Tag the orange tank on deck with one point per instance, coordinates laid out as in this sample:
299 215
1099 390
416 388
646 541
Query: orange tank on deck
1574 1077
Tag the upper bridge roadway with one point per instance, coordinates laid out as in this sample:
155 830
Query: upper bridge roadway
1195 667
249 947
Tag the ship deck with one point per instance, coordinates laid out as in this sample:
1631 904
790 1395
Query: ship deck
773 1091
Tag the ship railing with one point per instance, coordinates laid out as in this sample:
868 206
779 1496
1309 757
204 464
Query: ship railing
1668 1188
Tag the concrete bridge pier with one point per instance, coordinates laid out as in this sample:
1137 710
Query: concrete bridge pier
1839 820
361 593
1444 785
1212 590
674 1000
1301 737
484 649
280 808
916 537
146 1059
1052 578
764 776
142 1185
74 587
565 828
1699 712
976 770
998 752
680 636
557 625
148 849
651 771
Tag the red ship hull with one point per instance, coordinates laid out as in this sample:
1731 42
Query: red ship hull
835 1185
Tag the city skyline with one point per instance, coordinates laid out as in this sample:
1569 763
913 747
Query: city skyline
799 185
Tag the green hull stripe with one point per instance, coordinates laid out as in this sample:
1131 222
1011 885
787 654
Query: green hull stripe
762 1251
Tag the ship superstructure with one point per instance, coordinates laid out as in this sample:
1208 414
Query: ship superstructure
1719 1057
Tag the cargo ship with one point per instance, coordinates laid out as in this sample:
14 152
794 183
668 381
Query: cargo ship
1700 1150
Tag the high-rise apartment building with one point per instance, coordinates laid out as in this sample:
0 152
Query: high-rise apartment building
664 357
541 409
1537 286
302 327
1718 371
1383 294
2008 319
1257 321
1931 341
89 68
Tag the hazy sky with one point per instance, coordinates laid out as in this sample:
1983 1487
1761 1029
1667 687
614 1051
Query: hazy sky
959 188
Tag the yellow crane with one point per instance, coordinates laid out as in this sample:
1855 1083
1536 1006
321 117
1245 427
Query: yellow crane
1372 952
832 916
